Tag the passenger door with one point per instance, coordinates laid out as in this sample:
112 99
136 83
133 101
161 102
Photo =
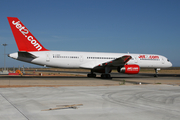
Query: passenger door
47 57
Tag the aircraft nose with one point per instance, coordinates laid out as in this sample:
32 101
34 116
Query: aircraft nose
170 64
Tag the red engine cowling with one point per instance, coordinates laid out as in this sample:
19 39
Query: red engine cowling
129 69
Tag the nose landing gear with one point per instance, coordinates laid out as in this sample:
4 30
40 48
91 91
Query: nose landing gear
156 72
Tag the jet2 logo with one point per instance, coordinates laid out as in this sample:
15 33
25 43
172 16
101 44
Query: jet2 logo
25 33
148 57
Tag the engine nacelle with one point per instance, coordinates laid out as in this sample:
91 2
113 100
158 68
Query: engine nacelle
129 69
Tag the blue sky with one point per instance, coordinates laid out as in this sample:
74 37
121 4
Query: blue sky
135 26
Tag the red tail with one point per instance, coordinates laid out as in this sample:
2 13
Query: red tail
24 39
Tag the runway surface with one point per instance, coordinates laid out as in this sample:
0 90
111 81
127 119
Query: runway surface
113 74
116 80
102 99
137 102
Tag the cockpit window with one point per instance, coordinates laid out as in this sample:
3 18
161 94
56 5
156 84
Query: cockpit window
167 60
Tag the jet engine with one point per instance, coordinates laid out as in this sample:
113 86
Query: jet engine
129 69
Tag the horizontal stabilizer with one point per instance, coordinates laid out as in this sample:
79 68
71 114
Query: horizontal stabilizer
26 55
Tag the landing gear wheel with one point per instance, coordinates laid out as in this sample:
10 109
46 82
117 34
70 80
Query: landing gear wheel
156 75
91 75
156 72
105 76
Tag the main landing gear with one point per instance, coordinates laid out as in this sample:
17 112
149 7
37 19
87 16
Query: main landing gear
91 75
105 75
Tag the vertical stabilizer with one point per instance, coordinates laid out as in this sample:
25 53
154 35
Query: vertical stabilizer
24 39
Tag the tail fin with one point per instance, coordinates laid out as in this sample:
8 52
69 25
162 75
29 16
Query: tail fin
24 39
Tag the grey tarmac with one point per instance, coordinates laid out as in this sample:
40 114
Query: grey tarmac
132 102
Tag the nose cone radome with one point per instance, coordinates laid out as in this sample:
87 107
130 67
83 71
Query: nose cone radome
13 55
170 64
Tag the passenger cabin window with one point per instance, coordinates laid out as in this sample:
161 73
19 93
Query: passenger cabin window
101 58
60 56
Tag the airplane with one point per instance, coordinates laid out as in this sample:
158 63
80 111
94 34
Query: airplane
32 51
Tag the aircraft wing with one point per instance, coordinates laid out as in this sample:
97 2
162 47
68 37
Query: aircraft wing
115 63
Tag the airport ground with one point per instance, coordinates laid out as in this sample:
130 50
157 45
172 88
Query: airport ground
137 102
53 77
120 98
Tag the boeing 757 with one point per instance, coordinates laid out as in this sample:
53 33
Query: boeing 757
32 51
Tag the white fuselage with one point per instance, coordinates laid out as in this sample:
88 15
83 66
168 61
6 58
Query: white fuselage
88 60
